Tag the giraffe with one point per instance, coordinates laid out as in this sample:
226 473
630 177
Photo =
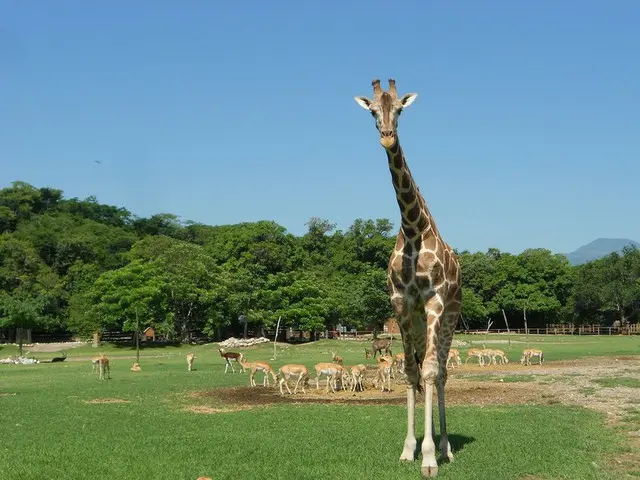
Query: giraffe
423 280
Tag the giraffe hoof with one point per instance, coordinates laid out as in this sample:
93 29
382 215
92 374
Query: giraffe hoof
429 471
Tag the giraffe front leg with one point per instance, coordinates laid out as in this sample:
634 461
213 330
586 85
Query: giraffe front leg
409 449
429 373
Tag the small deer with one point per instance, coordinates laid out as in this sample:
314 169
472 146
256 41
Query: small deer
293 370
357 377
263 367
385 369
380 344
95 361
135 367
190 358
475 352
531 352
454 355
335 358
399 359
103 367
492 354
228 357
368 353
391 360
333 372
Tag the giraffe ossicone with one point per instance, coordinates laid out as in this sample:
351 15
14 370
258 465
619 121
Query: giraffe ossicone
424 284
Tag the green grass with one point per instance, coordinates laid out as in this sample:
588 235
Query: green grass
48 431
612 382
558 347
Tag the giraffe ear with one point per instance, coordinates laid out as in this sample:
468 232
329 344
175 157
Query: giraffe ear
408 99
364 102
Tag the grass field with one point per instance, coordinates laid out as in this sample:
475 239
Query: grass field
60 422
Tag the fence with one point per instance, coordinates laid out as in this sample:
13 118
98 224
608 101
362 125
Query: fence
565 329
559 329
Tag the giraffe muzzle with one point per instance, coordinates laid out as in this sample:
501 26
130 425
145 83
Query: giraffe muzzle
387 140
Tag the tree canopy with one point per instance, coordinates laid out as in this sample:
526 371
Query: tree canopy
82 266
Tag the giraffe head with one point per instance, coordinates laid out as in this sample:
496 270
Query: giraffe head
386 108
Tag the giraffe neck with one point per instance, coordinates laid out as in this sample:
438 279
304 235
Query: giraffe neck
416 219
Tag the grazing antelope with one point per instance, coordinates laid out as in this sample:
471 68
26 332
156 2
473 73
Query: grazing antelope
380 344
368 353
385 370
190 358
293 370
492 354
454 354
357 377
228 357
531 352
333 371
335 358
135 367
400 362
475 352
263 367
103 367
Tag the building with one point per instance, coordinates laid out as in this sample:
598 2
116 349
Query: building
149 333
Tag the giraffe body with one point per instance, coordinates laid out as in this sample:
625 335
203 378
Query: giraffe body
423 279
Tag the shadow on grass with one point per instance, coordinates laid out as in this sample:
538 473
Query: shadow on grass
457 443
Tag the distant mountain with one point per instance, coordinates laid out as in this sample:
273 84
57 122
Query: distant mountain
599 248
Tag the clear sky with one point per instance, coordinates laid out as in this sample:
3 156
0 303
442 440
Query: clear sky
525 133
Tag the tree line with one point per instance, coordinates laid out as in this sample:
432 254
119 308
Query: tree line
84 267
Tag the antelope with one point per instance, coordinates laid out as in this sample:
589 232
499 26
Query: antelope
259 367
492 354
190 358
385 369
228 356
94 364
332 371
475 352
380 344
335 358
531 352
399 359
390 359
135 367
454 354
103 366
293 370
357 377
368 353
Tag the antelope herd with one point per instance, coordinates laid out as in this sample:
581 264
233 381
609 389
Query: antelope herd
338 376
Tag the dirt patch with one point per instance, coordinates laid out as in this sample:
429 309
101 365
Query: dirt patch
106 400
52 347
459 392
212 410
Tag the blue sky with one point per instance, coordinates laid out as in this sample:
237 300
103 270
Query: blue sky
525 133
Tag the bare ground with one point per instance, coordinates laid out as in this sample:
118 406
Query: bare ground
105 400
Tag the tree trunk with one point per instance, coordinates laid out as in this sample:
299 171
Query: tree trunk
19 335
507 324
526 329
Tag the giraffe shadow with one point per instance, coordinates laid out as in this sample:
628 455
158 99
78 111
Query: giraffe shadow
457 443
